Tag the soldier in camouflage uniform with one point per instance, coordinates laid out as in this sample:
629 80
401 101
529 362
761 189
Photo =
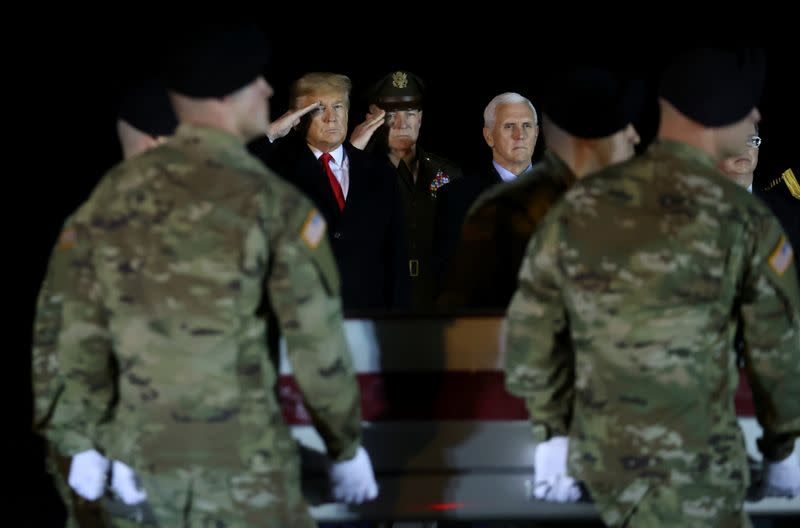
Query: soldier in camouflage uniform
145 119
588 124
166 272
620 336
396 103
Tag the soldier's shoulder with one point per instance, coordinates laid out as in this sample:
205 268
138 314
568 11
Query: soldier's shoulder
279 186
283 198
486 200
225 174
107 188
638 164
542 179
149 162
694 184
522 189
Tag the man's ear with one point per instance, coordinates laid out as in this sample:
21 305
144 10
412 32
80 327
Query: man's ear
487 135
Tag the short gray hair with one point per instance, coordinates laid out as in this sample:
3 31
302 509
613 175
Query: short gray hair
490 114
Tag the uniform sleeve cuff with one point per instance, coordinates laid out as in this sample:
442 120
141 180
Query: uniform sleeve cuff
347 453
69 443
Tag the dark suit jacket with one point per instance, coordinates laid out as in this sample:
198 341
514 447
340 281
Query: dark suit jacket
489 177
367 237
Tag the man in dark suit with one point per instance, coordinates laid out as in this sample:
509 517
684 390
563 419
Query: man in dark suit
357 195
588 120
510 129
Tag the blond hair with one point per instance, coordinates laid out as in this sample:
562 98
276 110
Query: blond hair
321 82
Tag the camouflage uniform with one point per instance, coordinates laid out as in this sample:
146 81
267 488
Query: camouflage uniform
47 385
496 233
167 270
647 267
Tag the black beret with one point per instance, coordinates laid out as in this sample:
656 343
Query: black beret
399 90
591 102
713 86
214 63
146 107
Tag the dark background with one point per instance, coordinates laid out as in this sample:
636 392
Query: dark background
89 63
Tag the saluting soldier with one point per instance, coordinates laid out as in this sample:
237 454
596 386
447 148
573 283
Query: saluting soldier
391 132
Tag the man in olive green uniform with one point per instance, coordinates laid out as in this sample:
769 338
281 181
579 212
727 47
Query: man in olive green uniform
145 119
166 271
620 335
396 113
587 117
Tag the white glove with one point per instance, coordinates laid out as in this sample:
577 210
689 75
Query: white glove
123 483
87 474
782 479
353 480
551 481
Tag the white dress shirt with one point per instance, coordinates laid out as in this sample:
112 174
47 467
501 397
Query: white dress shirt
340 165
505 174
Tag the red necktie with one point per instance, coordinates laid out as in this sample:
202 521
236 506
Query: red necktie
337 189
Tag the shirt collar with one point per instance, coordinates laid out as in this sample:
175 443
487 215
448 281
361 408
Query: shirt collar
337 154
505 174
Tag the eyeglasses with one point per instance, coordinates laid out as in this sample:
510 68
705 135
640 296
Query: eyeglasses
754 141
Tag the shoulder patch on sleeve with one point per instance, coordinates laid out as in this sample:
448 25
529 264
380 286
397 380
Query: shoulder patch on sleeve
313 229
781 256
67 238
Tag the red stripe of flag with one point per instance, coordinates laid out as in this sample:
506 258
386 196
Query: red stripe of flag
427 396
